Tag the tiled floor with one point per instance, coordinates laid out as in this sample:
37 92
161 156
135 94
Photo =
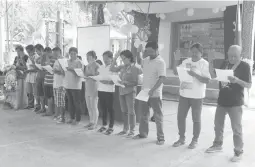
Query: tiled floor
29 140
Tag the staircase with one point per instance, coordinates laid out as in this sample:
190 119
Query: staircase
172 84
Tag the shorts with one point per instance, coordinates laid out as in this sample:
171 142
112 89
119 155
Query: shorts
59 97
40 87
48 91
31 88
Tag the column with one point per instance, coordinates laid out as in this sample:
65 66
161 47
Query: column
248 39
2 42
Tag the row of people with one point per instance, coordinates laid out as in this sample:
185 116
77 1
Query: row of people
231 95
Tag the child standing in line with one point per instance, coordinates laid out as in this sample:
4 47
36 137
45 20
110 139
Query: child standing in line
91 90
58 87
48 85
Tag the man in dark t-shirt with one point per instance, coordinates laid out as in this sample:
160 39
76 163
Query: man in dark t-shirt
231 100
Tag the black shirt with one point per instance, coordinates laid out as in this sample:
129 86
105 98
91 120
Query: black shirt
232 94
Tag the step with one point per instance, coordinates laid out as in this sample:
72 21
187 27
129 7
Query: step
174 90
174 80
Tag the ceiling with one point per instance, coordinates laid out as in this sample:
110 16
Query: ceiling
168 6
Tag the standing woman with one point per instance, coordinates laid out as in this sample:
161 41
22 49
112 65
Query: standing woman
129 74
73 84
20 63
91 90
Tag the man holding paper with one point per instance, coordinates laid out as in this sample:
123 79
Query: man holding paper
192 92
231 100
154 74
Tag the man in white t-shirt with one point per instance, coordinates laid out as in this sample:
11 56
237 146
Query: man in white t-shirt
154 74
192 94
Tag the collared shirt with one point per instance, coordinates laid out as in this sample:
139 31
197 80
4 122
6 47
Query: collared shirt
31 77
152 70
130 75
90 84
105 70
72 81
196 89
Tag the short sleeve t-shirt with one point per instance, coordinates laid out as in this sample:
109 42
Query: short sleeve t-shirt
232 94
105 70
58 80
91 85
196 89
72 81
152 70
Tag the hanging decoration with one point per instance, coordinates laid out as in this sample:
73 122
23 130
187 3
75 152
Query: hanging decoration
161 16
160 47
190 12
126 28
223 9
215 10
134 29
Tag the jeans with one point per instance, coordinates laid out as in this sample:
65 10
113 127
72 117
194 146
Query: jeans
74 96
30 94
127 105
156 105
235 114
106 104
92 102
183 108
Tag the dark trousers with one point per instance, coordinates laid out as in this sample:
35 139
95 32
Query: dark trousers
235 115
74 103
31 100
183 108
106 105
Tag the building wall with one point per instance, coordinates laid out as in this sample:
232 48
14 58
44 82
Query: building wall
179 16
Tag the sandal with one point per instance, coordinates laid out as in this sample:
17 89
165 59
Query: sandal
160 142
109 131
130 135
138 137
102 129
122 133
179 143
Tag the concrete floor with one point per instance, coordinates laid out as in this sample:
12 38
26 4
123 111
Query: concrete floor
29 140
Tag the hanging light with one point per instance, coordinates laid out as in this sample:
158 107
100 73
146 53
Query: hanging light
223 9
190 12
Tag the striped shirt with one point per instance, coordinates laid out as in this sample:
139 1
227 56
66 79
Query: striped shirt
48 80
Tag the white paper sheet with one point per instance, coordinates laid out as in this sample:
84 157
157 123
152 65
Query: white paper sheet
222 75
63 63
79 72
39 66
48 68
183 75
143 95
97 78
116 79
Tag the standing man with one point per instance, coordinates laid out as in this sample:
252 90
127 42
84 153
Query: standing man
31 75
230 101
154 74
39 94
192 94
